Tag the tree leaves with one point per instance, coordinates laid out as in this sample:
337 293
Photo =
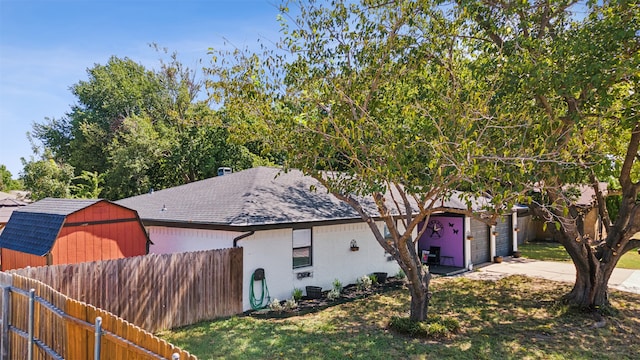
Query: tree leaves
137 129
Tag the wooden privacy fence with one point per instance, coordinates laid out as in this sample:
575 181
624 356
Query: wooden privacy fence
40 323
156 291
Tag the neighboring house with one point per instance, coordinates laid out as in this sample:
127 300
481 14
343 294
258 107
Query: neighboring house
589 221
63 231
8 204
300 237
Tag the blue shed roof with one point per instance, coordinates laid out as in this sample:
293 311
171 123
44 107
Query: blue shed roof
31 233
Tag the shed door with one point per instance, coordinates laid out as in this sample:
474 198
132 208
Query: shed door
480 251
504 245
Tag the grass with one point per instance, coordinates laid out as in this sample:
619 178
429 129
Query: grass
512 318
550 251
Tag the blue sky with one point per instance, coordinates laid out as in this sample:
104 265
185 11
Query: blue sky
47 45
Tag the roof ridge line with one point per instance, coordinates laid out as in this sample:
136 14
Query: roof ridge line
244 212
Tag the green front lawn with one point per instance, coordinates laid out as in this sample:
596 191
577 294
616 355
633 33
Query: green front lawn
555 252
513 318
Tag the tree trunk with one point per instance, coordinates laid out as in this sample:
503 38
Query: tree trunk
420 297
590 290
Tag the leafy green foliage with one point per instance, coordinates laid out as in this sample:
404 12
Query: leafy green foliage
47 178
337 285
569 83
88 185
6 180
519 101
373 99
141 129
297 294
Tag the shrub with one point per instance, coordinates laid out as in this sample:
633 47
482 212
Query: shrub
297 294
435 327
451 324
400 274
374 279
275 305
364 283
290 304
333 294
437 330
337 285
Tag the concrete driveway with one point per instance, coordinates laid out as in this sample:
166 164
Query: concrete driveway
621 279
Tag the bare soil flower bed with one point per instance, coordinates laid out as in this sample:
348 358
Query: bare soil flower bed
307 305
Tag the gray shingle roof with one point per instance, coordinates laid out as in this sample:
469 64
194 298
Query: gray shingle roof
253 197
259 196
33 229
11 202
8 206
59 206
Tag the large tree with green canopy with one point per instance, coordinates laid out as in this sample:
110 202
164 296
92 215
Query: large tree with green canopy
374 101
516 100
574 69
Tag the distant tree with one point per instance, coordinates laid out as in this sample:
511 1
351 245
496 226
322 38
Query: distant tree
7 182
142 129
134 152
144 156
46 178
87 185
114 92
55 135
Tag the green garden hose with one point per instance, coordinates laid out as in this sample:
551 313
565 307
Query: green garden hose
264 297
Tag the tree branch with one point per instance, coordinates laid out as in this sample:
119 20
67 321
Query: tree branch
602 205
630 157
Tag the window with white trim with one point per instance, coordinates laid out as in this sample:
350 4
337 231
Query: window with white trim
301 248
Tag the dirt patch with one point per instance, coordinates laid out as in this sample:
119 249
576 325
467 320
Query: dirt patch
349 293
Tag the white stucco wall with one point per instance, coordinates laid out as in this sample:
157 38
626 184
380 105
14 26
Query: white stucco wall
272 250
168 240
332 259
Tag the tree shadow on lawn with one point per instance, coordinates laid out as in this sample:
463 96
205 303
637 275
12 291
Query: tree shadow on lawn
519 317
515 317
